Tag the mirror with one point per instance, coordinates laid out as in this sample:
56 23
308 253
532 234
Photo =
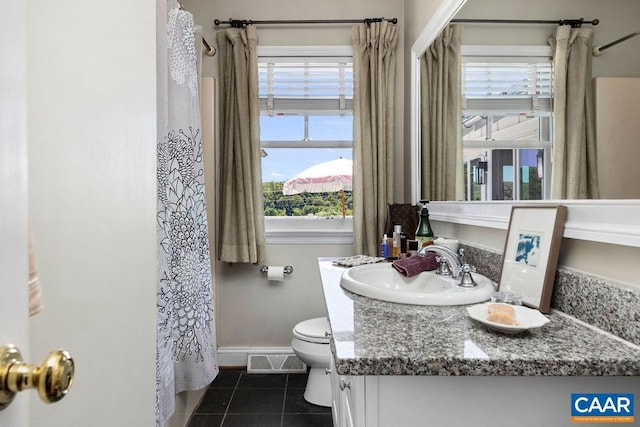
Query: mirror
618 180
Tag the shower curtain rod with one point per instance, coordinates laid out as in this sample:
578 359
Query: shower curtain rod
239 23
211 51
597 50
573 22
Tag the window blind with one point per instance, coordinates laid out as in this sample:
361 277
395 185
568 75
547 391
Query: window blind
507 87
315 85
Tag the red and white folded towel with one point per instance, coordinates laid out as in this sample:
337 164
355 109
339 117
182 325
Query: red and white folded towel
416 264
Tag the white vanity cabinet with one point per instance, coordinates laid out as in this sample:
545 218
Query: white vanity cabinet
373 401
405 400
347 399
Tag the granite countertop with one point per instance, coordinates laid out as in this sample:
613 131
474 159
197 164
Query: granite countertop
372 337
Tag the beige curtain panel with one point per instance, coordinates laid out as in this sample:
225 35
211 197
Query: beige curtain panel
241 205
574 174
442 174
374 68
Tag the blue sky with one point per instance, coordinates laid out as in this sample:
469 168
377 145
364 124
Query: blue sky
284 163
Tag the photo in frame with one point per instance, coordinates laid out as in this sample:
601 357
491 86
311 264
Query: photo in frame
531 253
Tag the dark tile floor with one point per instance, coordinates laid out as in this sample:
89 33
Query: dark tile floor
238 399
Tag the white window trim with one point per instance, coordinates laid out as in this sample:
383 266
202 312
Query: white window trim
302 144
506 144
506 50
302 230
280 51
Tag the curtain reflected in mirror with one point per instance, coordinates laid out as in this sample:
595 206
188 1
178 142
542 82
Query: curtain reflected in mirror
574 147
440 112
487 126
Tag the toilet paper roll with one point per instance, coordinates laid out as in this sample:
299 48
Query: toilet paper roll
275 273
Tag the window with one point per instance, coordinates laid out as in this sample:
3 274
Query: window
507 122
306 118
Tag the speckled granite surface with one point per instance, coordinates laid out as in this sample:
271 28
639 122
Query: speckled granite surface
373 337
605 304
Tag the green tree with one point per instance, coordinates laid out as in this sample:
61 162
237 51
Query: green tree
304 204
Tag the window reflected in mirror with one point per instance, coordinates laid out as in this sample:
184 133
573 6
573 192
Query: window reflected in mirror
506 127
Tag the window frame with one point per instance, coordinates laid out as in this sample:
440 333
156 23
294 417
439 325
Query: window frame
484 52
303 230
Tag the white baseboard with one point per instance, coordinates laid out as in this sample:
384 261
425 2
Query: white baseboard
238 356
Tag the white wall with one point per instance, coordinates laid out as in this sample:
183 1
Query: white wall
417 14
253 311
250 310
92 159
617 110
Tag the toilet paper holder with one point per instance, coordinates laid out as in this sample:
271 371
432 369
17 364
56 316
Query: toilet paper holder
287 269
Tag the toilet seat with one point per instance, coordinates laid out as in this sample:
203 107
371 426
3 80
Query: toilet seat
313 330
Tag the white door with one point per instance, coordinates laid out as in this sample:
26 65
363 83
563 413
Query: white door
92 205
77 156
13 192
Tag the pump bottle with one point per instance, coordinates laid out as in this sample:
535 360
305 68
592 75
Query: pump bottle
395 249
384 247
424 233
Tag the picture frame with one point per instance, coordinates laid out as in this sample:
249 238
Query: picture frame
531 252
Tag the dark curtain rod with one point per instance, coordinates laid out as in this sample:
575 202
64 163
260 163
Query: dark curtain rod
240 23
598 49
575 23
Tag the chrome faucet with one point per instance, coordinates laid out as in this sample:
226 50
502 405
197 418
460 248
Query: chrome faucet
448 255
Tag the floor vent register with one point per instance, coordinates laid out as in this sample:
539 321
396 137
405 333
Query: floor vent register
275 364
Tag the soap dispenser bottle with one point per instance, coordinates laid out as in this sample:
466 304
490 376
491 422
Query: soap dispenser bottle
395 249
384 247
424 233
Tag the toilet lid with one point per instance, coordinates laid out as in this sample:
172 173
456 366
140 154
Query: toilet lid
313 330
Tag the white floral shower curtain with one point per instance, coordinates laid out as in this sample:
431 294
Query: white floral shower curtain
186 343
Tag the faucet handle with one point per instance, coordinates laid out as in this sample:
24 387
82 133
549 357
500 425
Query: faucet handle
467 279
466 268
443 270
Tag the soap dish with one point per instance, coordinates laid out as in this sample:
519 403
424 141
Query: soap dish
527 318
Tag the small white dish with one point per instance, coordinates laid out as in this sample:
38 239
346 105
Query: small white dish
527 318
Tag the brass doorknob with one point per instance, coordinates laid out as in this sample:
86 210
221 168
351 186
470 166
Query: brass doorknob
52 378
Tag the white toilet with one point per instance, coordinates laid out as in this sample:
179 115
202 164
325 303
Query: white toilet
311 344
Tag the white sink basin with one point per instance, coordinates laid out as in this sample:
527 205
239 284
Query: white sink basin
383 282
